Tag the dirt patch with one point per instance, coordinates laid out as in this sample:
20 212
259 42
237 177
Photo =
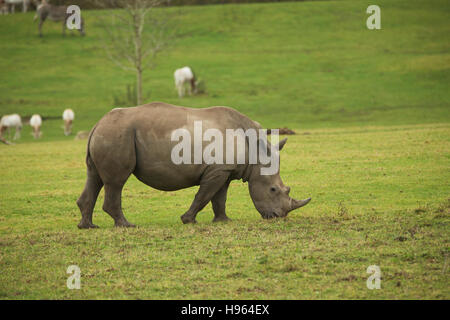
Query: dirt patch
284 131
401 238
349 278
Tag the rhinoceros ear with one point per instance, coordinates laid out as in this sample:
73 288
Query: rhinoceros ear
263 143
281 144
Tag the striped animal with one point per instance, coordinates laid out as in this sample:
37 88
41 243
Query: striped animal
45 10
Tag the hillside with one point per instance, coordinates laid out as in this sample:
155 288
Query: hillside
301 65
372 110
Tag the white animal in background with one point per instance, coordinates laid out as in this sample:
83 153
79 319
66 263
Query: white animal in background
3 7
183 76
11 121
36 123
68 117
25 4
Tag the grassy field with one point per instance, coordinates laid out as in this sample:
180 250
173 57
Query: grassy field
380 196
372 113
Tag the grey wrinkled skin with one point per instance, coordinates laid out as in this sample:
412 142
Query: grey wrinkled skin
138 141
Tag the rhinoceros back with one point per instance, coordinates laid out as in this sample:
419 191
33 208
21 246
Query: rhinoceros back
138 140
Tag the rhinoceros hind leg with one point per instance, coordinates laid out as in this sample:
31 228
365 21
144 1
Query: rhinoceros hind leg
218 204
113 205
210 184
86 202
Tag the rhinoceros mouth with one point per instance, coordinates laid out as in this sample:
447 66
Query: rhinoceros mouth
294 204
270 215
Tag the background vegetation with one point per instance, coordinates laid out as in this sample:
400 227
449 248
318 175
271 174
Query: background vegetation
89 4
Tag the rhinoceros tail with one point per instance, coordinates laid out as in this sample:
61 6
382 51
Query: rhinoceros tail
89 161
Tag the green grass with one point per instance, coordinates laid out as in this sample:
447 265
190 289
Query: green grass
373 151
380 196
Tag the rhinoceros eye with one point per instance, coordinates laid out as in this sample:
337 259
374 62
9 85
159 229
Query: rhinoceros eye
273 189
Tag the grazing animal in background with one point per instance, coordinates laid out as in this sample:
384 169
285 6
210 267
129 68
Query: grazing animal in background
2 140
54 13
3 7
13 3
68 117
81 135
139 141
182 77
36 123
11 121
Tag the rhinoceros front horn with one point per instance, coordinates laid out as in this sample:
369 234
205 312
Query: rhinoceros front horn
299 203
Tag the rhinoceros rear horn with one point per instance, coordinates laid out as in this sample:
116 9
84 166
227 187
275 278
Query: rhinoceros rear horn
299 203
281 144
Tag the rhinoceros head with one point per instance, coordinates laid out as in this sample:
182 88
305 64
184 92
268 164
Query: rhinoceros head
270 196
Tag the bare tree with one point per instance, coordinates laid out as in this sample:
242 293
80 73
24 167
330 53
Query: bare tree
134 34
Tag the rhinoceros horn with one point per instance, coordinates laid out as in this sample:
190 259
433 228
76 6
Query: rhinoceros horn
295 204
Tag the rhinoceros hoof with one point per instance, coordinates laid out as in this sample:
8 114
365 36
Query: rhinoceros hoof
188 219
82 225
221 219
124 224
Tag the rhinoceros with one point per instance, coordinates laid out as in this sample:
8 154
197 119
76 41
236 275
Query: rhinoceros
138 140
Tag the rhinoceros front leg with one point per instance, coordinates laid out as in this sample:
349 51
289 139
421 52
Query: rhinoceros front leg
218 203
210 184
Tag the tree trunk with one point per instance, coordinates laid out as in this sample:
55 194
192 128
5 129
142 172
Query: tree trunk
139 86
138 27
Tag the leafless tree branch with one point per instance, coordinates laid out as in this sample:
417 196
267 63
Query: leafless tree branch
134 34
